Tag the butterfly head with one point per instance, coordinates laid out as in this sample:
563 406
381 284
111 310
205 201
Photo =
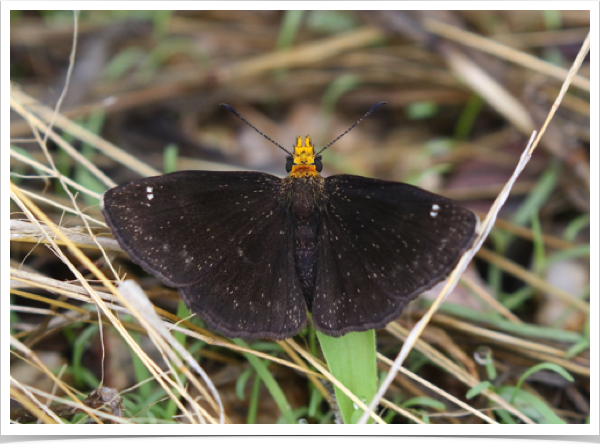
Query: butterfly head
303 162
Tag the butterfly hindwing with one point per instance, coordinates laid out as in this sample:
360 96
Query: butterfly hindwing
381 245
254 292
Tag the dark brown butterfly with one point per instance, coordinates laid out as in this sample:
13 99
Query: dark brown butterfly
251 252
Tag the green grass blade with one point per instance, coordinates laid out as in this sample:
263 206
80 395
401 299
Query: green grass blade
352 360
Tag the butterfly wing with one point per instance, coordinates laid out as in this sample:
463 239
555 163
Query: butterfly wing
381 245
221 239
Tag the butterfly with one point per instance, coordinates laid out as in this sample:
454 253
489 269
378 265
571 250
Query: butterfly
252 253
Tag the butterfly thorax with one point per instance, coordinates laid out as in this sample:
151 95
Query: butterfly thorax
303 189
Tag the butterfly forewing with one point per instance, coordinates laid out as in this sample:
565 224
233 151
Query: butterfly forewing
207 233
382 244
180 225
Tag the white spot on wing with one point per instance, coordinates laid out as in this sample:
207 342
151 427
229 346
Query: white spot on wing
149 191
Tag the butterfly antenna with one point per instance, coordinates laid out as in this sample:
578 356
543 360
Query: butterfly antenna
235 113
373 108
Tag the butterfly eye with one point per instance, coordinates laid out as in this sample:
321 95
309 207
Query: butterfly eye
318 164
289 162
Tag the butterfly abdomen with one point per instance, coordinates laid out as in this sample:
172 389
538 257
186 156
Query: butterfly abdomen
305 197
305 243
